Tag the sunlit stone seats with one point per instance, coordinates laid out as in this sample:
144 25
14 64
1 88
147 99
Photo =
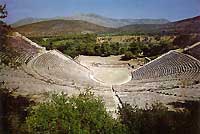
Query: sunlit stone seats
170 65
21 49
60 69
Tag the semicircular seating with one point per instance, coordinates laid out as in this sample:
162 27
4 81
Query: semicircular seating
20 50
59 68
172 65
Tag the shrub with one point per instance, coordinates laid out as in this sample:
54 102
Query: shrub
135 48
128 55
84 114
159 120
12 111
184 40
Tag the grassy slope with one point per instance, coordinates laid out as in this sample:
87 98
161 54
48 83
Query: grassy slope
59 27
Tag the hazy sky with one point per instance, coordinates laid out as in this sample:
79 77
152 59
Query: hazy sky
169 9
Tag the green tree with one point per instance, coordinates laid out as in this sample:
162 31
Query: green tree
97 49
115 48
90 49
128 55
106 49
158 119
83 114
135 48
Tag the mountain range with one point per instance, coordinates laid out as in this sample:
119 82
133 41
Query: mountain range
185 26
95 19
60 26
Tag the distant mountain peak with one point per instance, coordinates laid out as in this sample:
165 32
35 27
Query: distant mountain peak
88 14
113 22
185 26
95 19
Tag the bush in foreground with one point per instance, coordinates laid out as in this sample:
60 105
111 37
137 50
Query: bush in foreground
83 114
86 114
159 120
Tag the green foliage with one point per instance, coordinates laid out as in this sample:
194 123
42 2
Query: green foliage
184 40
85 44
74 45
12 111
128 55
135 48
159 120
84 114
157 49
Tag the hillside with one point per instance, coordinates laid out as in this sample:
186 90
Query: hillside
94 18
59 27
25 21
185 26
30 20
190 25
140 28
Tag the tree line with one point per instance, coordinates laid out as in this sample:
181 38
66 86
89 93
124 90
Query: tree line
85 44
